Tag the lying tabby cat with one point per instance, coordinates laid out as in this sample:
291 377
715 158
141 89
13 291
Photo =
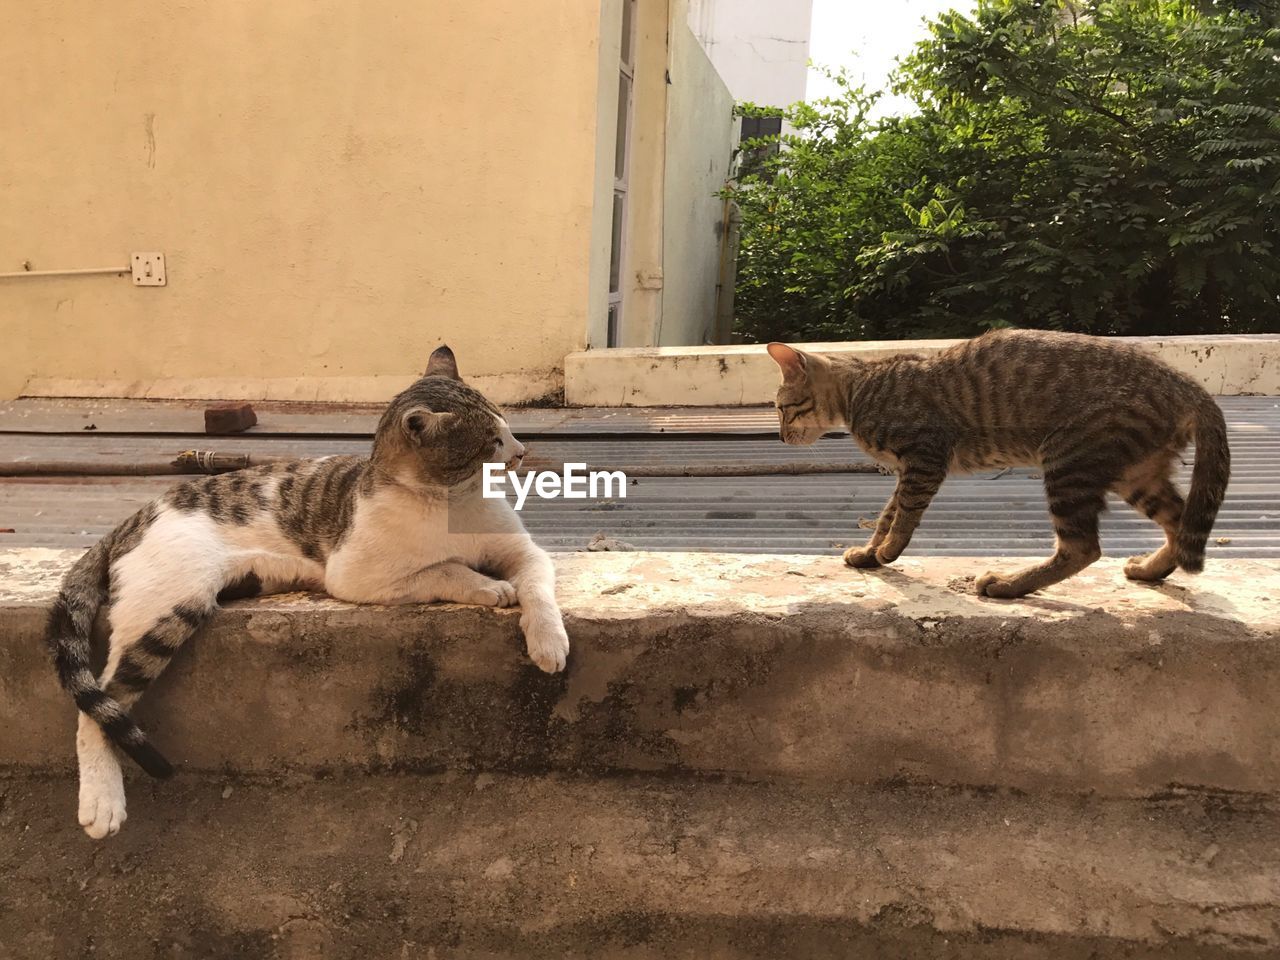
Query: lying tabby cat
406 525
1095 415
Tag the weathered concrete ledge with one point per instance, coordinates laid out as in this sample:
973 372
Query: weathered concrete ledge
756 666
1227 365
460 866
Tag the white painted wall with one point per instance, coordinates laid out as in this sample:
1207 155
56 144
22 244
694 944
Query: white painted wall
701 131
759 47
602 208
744 375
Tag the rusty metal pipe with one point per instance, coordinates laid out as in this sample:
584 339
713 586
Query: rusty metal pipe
209 462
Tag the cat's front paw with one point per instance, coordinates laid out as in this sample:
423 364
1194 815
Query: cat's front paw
886 553
861 557
992 584
102 806
495 593
548 644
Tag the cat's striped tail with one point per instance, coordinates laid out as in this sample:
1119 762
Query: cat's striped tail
68 636
1208 486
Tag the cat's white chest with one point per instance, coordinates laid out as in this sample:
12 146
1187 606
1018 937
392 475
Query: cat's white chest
394 535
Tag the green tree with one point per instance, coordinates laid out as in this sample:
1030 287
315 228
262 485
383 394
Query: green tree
1107 167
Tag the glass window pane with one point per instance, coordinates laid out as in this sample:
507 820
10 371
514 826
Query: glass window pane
614 315
626 30
615 245
620 144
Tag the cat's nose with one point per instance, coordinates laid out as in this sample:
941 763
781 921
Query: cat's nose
519 452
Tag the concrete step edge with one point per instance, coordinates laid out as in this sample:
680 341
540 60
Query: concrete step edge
635 867
752 665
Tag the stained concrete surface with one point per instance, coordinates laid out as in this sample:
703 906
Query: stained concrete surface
638 867
749 757
776 666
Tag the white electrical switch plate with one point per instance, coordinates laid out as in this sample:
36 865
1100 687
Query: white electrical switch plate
148 269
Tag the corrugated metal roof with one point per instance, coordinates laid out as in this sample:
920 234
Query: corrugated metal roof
107 416
612 454
1253 424
185 417
975 515
754 515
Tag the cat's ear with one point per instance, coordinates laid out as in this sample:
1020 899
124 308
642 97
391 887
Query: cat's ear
442 364
421 424
794 364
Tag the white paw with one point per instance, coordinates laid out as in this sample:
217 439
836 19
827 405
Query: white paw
548 644
496 593
102 809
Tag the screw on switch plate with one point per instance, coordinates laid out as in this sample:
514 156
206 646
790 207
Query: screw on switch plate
148 269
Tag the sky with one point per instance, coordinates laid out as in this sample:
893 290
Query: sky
867 36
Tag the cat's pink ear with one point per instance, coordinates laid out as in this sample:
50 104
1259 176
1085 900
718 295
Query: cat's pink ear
791 360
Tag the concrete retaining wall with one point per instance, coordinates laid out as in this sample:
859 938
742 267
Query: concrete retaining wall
740 375
637 868
757 666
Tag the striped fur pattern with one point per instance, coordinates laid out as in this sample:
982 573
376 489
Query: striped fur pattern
406 525
1095 415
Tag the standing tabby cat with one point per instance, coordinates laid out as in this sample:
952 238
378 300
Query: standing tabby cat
406 525
1095 415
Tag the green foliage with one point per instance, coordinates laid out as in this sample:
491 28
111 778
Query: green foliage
1105 167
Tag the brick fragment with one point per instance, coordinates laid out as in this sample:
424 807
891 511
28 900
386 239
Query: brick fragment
229 418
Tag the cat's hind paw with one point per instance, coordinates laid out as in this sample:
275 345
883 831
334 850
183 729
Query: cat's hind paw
495 593
1149 568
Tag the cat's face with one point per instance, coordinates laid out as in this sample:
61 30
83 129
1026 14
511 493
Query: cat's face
443 431
802 417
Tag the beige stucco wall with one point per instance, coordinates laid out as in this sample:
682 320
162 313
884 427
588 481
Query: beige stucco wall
700 140
336 188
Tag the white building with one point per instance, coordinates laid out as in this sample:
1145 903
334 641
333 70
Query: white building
760 48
